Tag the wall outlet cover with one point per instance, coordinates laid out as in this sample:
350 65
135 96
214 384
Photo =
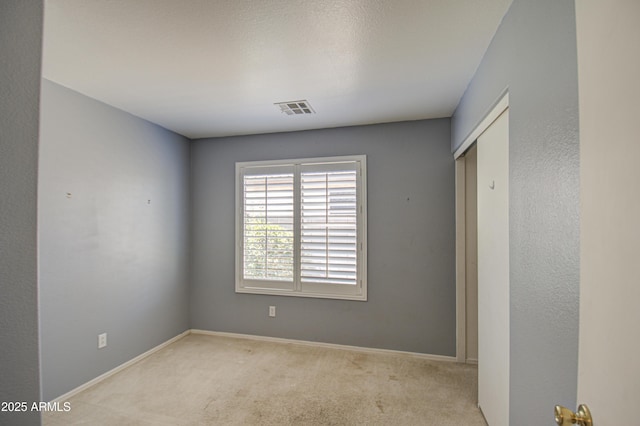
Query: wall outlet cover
102 340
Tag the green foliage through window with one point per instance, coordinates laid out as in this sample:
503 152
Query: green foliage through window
268 251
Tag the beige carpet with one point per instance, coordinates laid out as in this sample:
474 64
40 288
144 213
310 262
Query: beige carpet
211 380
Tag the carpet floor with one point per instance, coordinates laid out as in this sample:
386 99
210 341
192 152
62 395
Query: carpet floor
213 380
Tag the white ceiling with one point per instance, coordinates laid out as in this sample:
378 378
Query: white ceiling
215 67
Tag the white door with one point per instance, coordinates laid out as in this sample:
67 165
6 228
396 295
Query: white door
493 271
471 254
608 71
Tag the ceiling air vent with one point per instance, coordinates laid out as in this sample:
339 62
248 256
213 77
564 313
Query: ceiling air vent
295 107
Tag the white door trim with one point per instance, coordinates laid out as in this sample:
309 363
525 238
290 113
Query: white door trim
461 261
494 112
461 274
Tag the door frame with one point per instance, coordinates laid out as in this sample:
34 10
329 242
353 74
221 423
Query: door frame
496 109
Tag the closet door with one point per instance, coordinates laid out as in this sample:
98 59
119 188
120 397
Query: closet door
493 271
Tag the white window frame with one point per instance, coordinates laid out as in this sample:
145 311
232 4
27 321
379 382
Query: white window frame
297 287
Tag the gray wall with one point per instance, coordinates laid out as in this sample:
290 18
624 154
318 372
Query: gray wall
534 54
20 50
411 237
109 261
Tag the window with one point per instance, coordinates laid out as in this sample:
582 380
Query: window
301 227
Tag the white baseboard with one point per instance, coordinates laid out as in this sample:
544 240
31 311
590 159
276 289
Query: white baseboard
119 368
151 351
327 345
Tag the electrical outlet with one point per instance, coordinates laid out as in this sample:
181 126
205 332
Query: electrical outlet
102 340
272 311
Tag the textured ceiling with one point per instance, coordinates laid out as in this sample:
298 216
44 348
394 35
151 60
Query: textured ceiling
216 67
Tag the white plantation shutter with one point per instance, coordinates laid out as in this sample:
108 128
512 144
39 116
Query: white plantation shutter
328 226
268 225
300 227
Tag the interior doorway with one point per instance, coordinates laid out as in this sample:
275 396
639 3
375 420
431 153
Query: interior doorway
482 259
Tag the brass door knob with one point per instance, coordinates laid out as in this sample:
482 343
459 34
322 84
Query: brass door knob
566 417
